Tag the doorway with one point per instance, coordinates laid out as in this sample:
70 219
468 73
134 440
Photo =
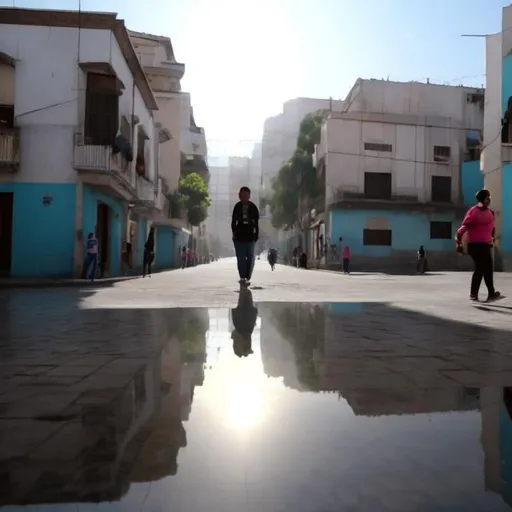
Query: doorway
103 235
6 215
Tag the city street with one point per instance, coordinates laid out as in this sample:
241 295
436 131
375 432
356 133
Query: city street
150 394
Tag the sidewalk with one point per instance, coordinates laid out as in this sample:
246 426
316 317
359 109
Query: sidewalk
13 282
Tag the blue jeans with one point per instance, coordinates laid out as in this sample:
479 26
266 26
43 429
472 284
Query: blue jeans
90 266
245 258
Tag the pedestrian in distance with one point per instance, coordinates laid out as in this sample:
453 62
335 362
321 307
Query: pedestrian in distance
346 260
149 253
245 229
478 225
91 257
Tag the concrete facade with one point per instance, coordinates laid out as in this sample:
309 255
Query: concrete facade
55 178
164 73
219 214
401 161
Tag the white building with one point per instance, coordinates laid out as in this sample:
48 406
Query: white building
218 223
186 151
399 163
73 94
394 128
164 73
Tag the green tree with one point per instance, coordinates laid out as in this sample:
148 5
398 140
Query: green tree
195 197
296 187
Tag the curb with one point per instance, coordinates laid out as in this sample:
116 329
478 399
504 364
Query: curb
7 284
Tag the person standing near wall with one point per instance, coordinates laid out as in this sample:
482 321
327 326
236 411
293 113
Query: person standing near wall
346 260
91 257
479 226
245 229
149 253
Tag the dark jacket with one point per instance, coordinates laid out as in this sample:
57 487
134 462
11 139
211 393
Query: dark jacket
149 246
245 224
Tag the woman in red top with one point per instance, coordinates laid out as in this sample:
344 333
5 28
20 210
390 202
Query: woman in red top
479 226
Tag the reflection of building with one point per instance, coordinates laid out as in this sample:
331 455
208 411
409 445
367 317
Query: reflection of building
181 371
290 335
164 435
413 400
496 406
130 432
83 460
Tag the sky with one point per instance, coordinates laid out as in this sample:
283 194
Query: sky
244 58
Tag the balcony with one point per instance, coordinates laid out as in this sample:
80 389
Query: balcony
345 198
100 160
198 141
145 192
9 149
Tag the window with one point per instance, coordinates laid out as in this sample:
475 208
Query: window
377 185
377 146
440 230
441 189
506 123
442 153
377 237
6 116
101 110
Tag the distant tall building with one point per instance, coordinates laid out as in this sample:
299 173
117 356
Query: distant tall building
227 176
280 134
219 213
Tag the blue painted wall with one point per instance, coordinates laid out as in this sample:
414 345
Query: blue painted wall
506 175
91 197
43 236
506 208
409 231
472 181
164 256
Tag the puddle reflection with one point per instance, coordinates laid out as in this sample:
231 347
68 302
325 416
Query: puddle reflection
279 407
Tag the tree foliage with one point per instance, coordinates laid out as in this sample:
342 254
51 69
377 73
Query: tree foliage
296 185
195 197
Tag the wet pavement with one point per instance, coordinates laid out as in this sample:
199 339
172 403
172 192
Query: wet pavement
267 406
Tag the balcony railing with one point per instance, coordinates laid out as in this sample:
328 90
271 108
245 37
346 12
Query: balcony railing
10 148
100 159
145 191
162 203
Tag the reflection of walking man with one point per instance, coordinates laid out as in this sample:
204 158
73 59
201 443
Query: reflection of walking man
245 228
244 319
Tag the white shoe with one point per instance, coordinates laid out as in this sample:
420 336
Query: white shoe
242 281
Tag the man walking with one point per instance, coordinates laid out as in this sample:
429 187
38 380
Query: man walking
245 228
